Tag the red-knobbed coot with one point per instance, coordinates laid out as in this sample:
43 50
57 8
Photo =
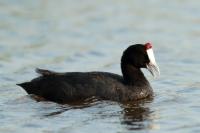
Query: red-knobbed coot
72 86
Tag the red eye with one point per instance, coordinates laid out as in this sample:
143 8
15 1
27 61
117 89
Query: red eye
148 46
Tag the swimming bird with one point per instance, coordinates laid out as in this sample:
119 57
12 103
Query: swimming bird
72 86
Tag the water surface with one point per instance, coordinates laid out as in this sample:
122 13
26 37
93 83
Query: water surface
72 35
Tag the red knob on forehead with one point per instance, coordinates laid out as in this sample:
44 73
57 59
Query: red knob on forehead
148 46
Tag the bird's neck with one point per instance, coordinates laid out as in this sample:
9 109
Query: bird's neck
133 75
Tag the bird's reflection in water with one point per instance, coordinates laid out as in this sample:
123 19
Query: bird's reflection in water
68 106
135 115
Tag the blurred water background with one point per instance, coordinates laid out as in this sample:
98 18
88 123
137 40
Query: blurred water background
90 35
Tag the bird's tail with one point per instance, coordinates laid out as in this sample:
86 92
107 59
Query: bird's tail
23 85
26 86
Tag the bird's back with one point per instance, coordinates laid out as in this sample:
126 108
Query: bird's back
71 86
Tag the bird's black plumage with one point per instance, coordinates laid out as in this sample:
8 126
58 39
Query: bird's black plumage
72 86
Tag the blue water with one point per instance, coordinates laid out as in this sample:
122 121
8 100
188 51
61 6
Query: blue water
76 35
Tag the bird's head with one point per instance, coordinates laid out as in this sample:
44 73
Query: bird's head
141 56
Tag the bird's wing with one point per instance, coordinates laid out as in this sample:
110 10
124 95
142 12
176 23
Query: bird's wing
44 72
